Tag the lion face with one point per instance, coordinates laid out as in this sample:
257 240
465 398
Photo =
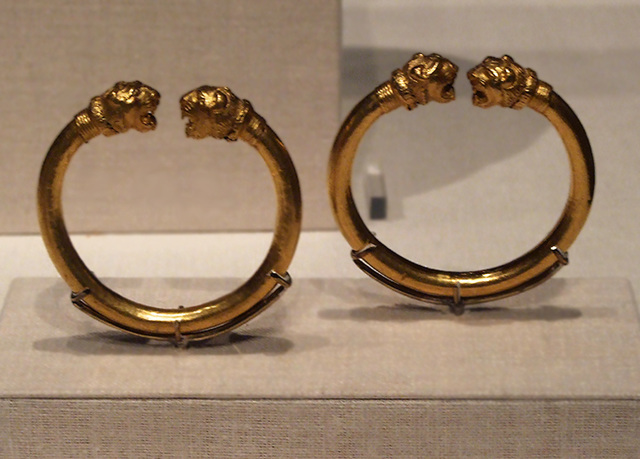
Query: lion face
431 78
128 105
211 111
497 81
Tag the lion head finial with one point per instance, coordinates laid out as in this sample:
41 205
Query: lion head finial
213 111
500 81
425 78
127 105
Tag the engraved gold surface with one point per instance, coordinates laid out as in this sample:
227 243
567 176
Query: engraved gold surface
211 112
496 81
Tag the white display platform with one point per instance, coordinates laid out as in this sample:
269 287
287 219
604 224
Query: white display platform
336 368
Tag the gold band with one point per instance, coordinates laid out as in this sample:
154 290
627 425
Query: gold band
211 111
497 81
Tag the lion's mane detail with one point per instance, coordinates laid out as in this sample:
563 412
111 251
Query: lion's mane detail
501 81
214 112
423 79
127 105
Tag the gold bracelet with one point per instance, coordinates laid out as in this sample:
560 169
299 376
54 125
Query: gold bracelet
211 111
496 81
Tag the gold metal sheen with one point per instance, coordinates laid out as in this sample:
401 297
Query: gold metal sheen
211 111
496 81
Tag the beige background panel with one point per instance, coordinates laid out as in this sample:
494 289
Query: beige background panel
311 429
282 55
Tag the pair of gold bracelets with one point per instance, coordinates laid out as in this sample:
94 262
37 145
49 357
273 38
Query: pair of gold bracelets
216 112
